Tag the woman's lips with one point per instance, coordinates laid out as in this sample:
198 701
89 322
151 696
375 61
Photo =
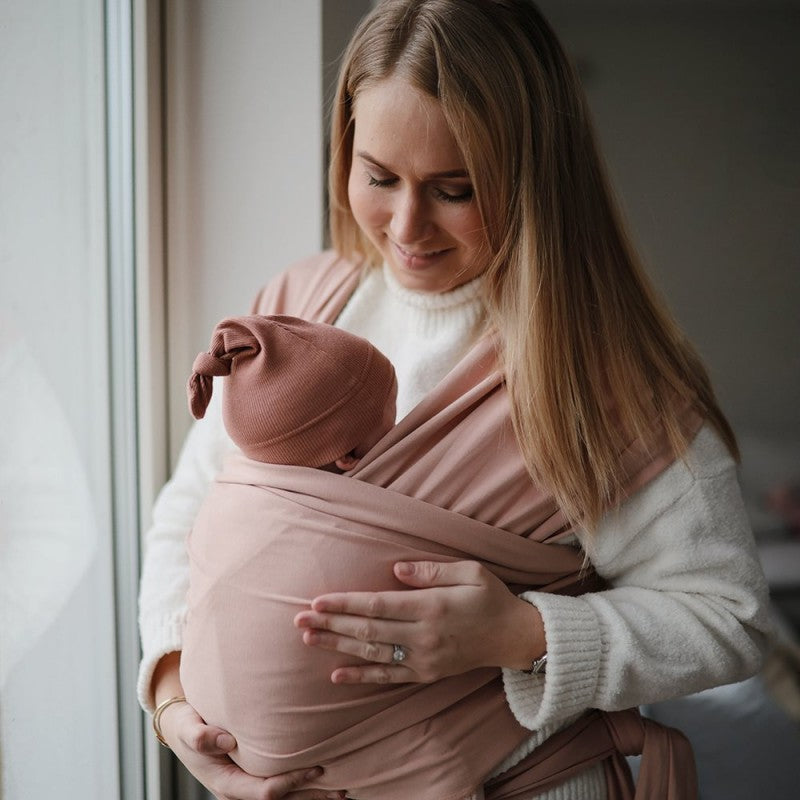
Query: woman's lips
417 259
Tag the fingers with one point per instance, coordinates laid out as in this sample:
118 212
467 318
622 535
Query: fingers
214 742
290 786
208 740
426 574
375 673
203 750
400 606
371 638
230 783
377 652
183 722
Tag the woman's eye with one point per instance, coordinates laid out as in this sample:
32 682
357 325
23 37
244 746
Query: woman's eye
462 196
373 181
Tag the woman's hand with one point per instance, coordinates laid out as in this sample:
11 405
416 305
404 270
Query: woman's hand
458 617
203 750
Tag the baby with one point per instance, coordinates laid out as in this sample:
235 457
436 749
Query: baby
296 392
296 395
278 527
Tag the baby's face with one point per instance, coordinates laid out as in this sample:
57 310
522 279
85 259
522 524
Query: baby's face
347 462
343 464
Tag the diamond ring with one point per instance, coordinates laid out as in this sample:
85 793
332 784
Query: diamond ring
399 653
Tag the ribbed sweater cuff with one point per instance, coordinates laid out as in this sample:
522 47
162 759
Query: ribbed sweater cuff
573 657
162 637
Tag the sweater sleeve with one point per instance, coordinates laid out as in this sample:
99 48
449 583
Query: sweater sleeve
165 571
686 608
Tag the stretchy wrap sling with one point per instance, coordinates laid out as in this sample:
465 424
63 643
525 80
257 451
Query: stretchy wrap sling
446 483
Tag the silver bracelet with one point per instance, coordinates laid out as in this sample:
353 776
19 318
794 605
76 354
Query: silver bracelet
538 666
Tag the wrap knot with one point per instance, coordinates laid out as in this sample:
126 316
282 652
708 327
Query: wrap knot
626 729
201 381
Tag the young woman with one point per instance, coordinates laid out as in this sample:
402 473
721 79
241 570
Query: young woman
547 393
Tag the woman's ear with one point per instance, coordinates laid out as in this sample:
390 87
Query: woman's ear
347 462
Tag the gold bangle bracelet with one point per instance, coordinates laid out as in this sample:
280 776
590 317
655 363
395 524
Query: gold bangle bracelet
162 707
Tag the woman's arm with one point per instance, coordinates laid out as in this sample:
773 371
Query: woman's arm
687 607
165 572
201 748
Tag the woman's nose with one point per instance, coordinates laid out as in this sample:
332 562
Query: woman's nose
411 221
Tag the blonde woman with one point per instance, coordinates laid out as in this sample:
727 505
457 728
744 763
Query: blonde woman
546 392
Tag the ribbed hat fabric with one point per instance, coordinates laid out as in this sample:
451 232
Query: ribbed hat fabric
296 392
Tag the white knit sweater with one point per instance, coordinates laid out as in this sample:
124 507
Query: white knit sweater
687 605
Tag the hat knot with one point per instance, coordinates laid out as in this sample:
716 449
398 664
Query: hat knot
201 382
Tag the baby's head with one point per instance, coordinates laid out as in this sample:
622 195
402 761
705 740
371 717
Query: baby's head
296 392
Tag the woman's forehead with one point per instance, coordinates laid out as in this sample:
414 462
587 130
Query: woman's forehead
399 127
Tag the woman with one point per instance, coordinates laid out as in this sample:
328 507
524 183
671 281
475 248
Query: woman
465 176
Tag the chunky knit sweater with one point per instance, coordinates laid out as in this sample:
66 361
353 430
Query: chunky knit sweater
687 605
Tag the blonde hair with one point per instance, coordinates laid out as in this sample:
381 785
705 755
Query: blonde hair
592 357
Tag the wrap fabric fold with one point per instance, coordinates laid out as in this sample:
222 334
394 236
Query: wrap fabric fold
447 483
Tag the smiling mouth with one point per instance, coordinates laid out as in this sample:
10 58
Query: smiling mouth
420 255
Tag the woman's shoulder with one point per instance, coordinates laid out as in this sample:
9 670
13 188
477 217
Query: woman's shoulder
309 286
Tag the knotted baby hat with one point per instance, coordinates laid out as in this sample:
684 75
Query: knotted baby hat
296 392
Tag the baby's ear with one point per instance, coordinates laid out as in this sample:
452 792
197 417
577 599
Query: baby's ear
347 462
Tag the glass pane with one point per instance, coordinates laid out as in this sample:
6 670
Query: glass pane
57 671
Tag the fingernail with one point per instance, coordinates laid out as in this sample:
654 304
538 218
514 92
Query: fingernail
404 568
313 773
226 742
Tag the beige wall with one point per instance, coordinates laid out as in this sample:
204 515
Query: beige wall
243 161
697 107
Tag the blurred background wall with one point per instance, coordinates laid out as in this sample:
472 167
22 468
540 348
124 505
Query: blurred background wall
698 111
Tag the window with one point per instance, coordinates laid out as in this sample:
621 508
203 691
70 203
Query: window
68 491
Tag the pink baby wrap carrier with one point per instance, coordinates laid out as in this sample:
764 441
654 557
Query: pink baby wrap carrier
446 483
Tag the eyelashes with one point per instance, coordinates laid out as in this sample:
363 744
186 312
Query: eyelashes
463 197
439 194
382 183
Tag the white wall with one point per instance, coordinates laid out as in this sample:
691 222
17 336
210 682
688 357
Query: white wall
244 162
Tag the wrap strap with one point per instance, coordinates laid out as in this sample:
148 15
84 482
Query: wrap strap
667 769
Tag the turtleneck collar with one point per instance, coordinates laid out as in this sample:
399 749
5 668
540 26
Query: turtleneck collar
467 293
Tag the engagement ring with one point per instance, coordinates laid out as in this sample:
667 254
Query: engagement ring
398 654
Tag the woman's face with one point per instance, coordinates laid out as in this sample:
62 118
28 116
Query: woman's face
409 191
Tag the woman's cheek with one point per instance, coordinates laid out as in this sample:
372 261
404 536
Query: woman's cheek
368 211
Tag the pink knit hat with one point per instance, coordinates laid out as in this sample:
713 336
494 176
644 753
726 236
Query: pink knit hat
296 392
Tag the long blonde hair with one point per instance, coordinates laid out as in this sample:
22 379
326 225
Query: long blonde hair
592 357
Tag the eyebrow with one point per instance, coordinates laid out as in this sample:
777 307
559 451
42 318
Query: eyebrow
450 173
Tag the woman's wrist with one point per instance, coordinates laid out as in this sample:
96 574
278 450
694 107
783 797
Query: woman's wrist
167 692
167 678
162 707
526 639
